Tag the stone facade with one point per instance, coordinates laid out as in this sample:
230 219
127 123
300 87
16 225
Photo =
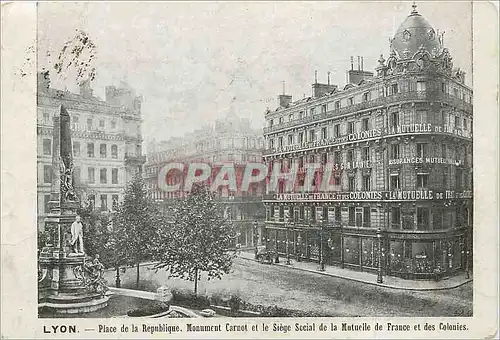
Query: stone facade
400 141
107 142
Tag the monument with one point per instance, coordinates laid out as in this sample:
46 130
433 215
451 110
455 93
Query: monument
68 280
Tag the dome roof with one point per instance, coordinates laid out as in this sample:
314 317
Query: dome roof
413 33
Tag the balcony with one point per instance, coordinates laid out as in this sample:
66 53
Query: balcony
382 101
240 199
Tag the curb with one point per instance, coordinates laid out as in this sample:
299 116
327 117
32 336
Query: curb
365 281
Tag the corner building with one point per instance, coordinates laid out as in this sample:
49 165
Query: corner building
401 143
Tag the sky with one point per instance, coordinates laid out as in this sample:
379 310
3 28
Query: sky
194 62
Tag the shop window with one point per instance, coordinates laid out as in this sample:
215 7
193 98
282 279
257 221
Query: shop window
396 256
367 252
313 213
325 214
351 250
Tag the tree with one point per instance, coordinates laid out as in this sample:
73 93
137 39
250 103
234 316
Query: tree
135 224
198 240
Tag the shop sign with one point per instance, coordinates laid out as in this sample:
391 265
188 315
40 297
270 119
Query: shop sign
425 160
353 137
399 195
426 128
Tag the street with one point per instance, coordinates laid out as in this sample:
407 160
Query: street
289 288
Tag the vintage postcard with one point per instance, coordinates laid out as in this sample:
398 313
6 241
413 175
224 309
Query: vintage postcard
249 170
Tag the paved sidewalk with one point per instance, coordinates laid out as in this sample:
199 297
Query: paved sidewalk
369 278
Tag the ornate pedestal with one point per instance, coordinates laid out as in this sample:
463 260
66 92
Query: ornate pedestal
68 282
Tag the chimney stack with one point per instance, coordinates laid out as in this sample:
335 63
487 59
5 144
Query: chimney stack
362 69
316 76
328 77
359 68
352 63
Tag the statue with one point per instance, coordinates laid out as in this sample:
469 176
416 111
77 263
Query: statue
92 275
67 181
77 235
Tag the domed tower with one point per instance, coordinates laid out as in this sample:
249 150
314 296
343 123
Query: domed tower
414 34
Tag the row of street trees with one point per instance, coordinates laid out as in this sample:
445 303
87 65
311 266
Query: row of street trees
196 240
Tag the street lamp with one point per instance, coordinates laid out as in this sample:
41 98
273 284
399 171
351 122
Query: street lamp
117 281
379 271
288 246
255 237
321 255
299 241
